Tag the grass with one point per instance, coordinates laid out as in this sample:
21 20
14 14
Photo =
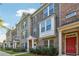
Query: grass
8 51
28 54
12 52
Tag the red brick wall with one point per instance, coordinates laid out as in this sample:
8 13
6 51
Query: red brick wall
66 8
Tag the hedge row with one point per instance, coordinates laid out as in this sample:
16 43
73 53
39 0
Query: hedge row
45 51
17 49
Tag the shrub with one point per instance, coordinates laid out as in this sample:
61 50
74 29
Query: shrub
8 48
45 51
38 50
19 50
33 50
23 50
52 51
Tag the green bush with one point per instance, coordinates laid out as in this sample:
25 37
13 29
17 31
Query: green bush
33 50
19 50
8 48
45 51
52 51
38 50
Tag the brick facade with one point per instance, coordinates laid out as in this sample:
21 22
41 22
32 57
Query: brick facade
67 8
66 21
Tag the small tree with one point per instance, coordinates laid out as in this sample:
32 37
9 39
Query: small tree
2 24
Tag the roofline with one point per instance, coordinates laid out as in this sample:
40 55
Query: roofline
22 19
33 13
39 9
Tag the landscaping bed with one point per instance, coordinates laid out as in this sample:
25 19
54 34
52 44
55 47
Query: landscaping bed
44 51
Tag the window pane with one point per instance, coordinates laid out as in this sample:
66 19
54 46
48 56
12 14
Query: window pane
71 14
45 12
51 9
43 27
48 25
26 34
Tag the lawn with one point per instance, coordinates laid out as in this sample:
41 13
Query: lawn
8 51
28 54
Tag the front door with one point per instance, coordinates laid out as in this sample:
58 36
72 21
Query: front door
30 43
71 45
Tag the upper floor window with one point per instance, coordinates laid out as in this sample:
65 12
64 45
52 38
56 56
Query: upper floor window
26 24
34 19
51 9
26 33
34 31
43 27
71 14
48 24
45 12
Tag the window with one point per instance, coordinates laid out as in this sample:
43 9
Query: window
43 27
26 34
71 14
45 12
34 19
51 9
34 31
25 24
48 25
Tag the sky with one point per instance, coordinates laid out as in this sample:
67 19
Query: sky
11 14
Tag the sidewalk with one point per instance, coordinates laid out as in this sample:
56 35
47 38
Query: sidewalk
4 54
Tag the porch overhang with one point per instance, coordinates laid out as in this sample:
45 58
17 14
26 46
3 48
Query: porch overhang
47 37
31 38
69 26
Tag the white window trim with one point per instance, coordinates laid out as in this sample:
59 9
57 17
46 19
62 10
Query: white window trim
71 15
47 32
48 10
46 25
45 21
41 27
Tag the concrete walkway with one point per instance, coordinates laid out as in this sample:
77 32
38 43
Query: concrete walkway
4 54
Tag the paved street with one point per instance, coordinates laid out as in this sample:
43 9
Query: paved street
4 54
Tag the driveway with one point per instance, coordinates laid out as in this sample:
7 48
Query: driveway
4 54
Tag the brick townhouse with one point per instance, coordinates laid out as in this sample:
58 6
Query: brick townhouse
40 28
44 25
69 29
9 39
52 24
23 30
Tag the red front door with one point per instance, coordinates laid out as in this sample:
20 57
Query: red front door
71 45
